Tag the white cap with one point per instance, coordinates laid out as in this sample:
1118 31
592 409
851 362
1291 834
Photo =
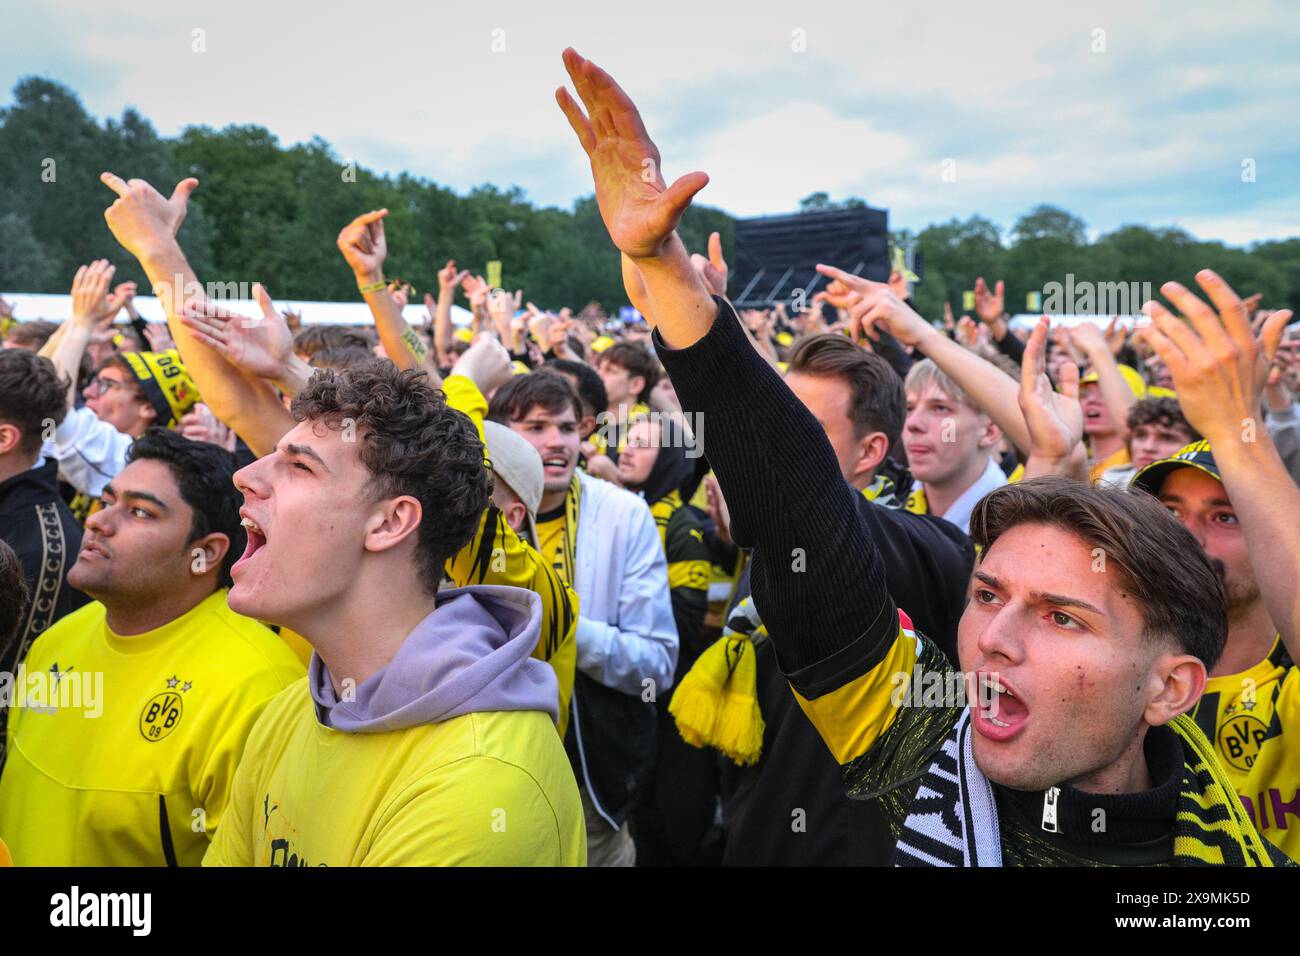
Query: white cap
518 464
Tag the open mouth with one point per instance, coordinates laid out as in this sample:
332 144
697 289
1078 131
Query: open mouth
999 712
555 463
91 550
256 541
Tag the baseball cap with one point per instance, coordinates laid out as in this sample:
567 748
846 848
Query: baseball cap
1130 375
517 463
166 383
1195 455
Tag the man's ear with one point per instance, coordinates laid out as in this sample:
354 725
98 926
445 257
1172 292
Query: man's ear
991 436
395 520
587 426
207 553
515 513
10 438
1182 681
148 412
872 450
635 386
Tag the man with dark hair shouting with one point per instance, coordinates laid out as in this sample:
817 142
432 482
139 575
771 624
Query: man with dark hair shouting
1092 619
425 732
173 678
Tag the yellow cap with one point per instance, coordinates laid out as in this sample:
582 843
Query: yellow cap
1131 376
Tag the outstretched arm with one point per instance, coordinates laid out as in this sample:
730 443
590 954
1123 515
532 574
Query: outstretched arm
1220 371
261 351
818 579
448 280
365 247
873 305
90 305
145 224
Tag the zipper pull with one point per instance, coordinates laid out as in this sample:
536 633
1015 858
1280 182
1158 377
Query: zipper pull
1049 809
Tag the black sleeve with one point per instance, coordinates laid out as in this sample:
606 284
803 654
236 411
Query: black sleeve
1010 346
818 579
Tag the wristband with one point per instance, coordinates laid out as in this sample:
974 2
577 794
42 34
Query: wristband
372 287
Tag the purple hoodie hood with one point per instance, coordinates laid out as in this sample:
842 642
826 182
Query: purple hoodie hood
470 654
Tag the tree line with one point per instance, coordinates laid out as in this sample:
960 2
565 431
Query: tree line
270 213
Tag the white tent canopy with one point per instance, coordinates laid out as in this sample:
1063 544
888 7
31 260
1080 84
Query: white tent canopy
1030 319
32 305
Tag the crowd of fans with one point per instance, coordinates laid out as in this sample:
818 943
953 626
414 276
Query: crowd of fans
821 583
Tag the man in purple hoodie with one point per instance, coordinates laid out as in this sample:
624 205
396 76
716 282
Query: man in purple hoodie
427 736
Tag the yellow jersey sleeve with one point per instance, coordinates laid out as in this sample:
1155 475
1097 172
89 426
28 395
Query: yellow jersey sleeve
855 713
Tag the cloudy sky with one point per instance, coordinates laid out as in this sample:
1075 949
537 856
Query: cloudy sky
1122 112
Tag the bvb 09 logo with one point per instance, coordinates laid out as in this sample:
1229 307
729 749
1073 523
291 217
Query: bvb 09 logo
1240 739
160 716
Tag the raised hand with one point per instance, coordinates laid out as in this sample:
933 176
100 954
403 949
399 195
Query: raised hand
449 278
364 246
486 363
967 332
1218 364
989 306
639 209
1055 419
713 268
898 284
260 346
718 512
90 299
875 304
160 338
539 327
401 292
123 297
199 424
1116 336
559 333
141 219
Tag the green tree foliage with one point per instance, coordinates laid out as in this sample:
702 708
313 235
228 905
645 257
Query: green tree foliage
270 213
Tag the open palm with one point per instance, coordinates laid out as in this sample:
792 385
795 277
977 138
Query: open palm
259 346
1054 419
639 209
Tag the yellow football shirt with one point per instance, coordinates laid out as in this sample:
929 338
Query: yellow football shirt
146 781
1246 716
483 789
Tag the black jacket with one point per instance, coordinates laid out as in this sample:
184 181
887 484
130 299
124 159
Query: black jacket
36 523
927 565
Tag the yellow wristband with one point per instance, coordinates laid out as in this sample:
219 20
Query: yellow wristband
372 287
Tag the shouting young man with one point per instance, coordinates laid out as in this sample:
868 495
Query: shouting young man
425 731
1081 678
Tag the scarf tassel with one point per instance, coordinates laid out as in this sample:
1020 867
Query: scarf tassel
716 704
